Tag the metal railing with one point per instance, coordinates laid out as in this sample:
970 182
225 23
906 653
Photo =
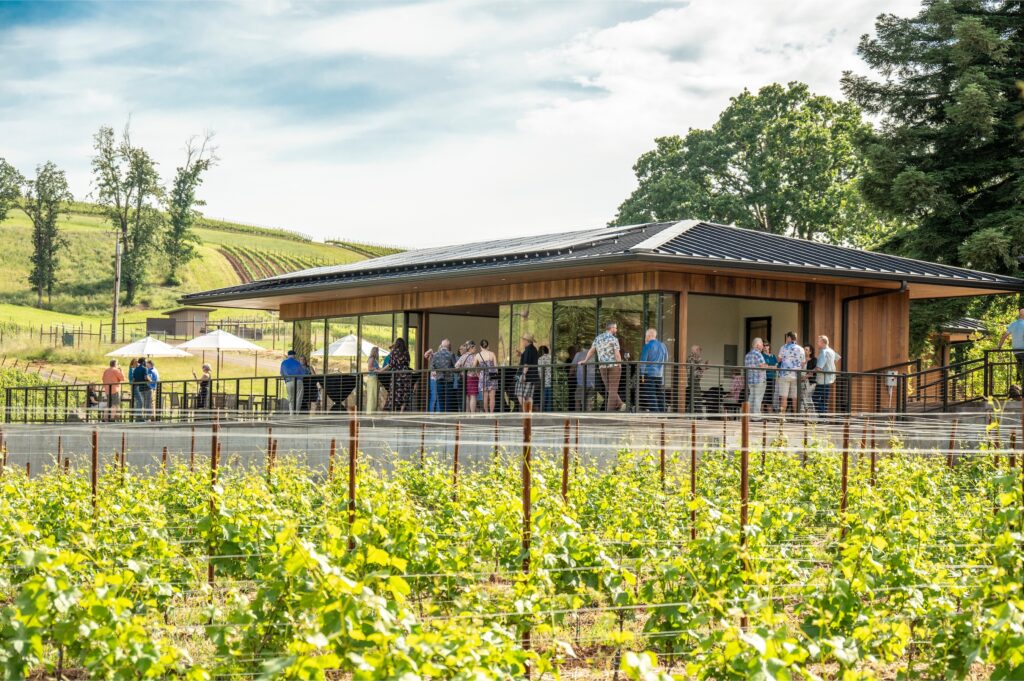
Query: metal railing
704 389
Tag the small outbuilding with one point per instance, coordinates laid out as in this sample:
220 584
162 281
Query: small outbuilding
182 322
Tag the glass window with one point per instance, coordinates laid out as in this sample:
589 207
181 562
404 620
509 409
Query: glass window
302 336
411 337
504 350
575 326
342 351
628 313
532 318
668 322
378 330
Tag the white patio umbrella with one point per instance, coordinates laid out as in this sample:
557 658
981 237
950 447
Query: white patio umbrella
221 341
148 347
346 346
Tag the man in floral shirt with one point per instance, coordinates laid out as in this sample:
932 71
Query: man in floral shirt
606 347
791 358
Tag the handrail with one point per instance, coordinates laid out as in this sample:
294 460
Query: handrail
703 388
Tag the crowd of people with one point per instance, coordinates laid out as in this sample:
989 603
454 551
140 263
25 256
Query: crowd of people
471 378
797 378
794 379
142 379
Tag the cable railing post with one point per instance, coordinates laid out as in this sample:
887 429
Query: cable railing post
952 445
693 478
353 448
874 454
661 456
565 464
214 456
527 509
330 459
94 462
455 461
744 485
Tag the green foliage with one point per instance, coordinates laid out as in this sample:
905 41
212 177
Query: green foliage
179 239
949 154
10 187
780 161
46 198
128 187
428 581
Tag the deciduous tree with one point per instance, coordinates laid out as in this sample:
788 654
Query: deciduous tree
10 187
46 198
128 187
182 203
781 161
43 200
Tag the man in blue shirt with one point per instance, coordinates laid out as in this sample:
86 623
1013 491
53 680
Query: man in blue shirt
141 395
291 370
1015 332
154 378
652 373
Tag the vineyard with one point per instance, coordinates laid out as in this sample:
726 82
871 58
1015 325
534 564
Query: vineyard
846 555
251 264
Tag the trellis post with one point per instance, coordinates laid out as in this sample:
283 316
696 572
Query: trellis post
565 464
845 479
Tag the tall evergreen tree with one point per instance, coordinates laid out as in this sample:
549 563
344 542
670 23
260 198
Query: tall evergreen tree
180 238
948 155
46 198
128 187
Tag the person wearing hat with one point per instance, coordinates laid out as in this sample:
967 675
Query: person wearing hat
526 381
291 371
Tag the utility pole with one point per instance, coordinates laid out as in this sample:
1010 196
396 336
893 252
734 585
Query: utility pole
117 288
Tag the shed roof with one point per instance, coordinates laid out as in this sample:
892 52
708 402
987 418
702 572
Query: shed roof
688 242
964 325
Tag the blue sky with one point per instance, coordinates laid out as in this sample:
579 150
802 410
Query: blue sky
411 124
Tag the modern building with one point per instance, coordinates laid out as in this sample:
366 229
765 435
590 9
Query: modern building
696 282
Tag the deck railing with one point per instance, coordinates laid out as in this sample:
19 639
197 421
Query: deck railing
703 389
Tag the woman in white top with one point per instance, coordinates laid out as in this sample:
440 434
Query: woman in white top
372 381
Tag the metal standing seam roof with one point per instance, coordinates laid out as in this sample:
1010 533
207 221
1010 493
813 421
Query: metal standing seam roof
689 242
964 325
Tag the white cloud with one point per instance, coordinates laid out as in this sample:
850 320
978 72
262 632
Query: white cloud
423 124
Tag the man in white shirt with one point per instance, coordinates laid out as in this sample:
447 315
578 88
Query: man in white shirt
791 362
824 374
1015 332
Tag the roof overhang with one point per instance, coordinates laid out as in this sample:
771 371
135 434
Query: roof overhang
920 287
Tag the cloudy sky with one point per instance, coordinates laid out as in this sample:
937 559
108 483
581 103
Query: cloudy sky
408 124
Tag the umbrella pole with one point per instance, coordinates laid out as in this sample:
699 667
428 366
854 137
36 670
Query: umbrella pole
255 364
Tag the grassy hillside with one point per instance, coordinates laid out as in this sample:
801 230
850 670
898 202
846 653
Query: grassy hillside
230 254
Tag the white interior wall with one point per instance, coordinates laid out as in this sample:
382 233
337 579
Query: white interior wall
460 328
717 321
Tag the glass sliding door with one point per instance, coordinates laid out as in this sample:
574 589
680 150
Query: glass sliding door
628 313
530 318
